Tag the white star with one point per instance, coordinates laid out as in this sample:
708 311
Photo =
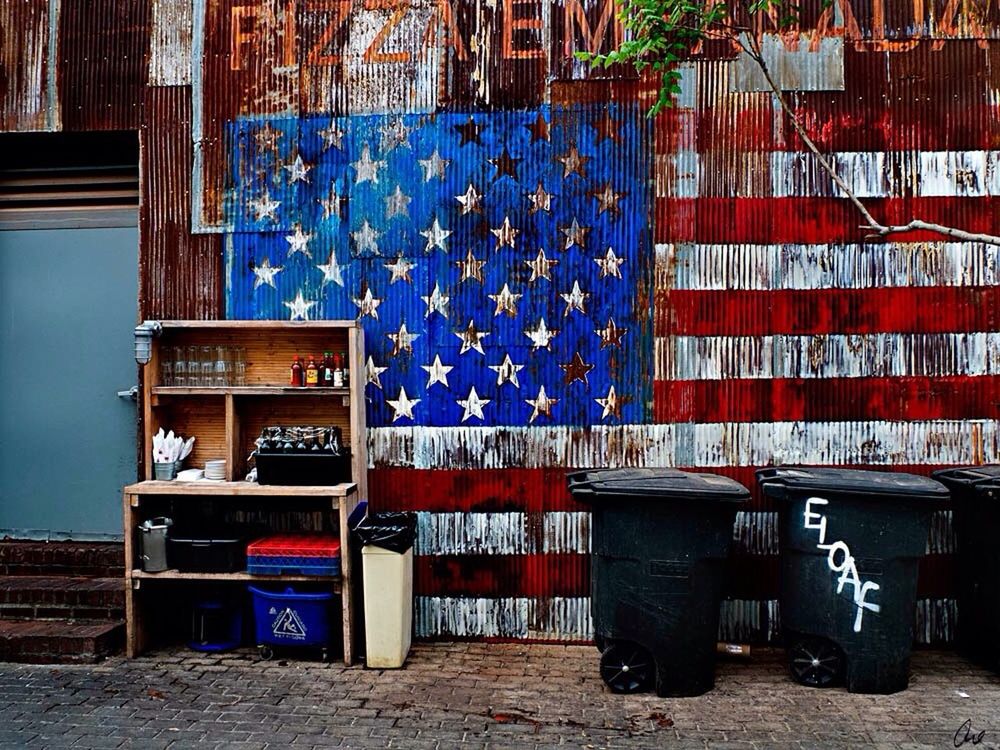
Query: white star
610 264
331 271
267 138
332 135
402 405
473 405
612 404
436 236
471 268
575 234
540 266
372 373
542 405
397 204
402 340
437 372
394 133
541 337
367 305
572 162
400 270
366 169
264 207
265 273
436 302
507 371
298 170
506 302
298 242
575 299
505 233
470 200
471 338
331 204
365 238
540 200
299 307
434 166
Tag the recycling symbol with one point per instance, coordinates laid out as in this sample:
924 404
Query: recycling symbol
289 625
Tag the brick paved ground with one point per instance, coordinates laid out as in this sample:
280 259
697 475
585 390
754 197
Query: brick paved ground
496 696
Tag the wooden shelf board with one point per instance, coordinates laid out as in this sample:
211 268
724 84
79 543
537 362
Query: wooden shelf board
248 390
238 489
176 575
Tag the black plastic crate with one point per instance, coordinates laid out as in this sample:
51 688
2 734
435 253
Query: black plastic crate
300 469
201 553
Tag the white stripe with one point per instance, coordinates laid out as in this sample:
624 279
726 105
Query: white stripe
773 267
875 355
556 618
879 443
869 174
502 533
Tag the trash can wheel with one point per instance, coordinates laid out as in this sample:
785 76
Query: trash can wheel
266 653
814 661
626 667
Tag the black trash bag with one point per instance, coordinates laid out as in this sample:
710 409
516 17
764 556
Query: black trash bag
391 530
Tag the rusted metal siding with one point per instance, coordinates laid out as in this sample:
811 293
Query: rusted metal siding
27 66
170 43
180 273
103 63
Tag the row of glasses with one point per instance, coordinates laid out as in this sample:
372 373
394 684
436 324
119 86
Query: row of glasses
203 366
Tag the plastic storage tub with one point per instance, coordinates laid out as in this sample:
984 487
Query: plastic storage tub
851 543
295 554
287 618
660 540
303 469
218 553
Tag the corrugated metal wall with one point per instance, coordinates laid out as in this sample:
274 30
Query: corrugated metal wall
299 159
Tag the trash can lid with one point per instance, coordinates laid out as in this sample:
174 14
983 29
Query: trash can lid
658 484
985 479
834 481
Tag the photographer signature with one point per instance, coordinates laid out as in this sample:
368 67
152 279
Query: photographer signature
964 735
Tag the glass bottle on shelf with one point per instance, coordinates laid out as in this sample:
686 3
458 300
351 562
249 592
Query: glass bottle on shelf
346 368
327 371
297 378
312 372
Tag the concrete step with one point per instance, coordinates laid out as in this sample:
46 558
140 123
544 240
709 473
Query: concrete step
59 641
97 559
47 597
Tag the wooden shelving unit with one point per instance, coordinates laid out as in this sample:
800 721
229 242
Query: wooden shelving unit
225 420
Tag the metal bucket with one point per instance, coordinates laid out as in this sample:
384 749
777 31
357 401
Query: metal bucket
154 543
165 470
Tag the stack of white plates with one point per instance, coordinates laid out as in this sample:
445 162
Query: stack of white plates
215 469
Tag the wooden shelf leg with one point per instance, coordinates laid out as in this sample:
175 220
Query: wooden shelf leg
346 583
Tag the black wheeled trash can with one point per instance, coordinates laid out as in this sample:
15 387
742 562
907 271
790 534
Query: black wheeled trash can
660 540
975 506
851 542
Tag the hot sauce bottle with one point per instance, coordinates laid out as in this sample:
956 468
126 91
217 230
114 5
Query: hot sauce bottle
296 379
326 373
312 372
338 372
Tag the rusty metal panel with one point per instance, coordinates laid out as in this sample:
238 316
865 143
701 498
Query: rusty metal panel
103 63
180 274
170 43
27 66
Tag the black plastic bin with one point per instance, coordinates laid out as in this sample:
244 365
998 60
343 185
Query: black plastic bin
975 495
851 542
660 540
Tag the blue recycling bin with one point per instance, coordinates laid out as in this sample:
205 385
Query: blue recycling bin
290 618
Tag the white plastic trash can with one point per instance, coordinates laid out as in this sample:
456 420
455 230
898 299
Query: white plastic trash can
388 582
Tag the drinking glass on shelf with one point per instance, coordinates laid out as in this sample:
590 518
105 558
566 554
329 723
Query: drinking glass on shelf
193 366
222 366
180 366
207 360
239 366
166 371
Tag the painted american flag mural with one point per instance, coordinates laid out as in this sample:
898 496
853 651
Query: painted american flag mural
749 324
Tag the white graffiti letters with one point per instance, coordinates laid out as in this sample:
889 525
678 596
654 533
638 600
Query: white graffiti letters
840 560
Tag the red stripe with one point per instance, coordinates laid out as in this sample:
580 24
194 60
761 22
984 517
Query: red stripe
758 313
834 399
446 490
503 575
811 220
